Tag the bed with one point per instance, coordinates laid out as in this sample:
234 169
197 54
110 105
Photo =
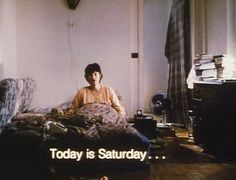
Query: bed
53 140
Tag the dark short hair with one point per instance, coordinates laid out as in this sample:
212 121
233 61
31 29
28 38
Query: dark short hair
91 68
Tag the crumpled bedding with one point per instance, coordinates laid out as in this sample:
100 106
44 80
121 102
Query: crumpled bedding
107 113
29 137
97 124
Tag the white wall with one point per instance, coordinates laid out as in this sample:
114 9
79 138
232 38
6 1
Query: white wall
7 39
216 20
231 23
53 44
156 16
214 27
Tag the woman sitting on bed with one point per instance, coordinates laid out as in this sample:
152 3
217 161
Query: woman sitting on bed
96 92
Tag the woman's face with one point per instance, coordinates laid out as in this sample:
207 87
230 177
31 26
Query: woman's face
94 78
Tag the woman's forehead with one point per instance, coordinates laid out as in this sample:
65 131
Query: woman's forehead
93 72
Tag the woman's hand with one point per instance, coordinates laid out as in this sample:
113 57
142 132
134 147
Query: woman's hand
72 111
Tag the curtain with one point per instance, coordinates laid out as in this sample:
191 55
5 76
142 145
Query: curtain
177 51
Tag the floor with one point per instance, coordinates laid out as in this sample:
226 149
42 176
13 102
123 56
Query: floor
174 156
177 159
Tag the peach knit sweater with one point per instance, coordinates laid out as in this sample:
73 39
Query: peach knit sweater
104 95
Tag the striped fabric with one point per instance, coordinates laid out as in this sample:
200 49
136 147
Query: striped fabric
15 97
177 51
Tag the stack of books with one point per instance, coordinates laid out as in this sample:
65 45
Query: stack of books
204 66
210 67
226 67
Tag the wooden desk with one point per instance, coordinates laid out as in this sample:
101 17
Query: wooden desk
214 117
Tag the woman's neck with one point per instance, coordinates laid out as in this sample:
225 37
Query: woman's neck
96 87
